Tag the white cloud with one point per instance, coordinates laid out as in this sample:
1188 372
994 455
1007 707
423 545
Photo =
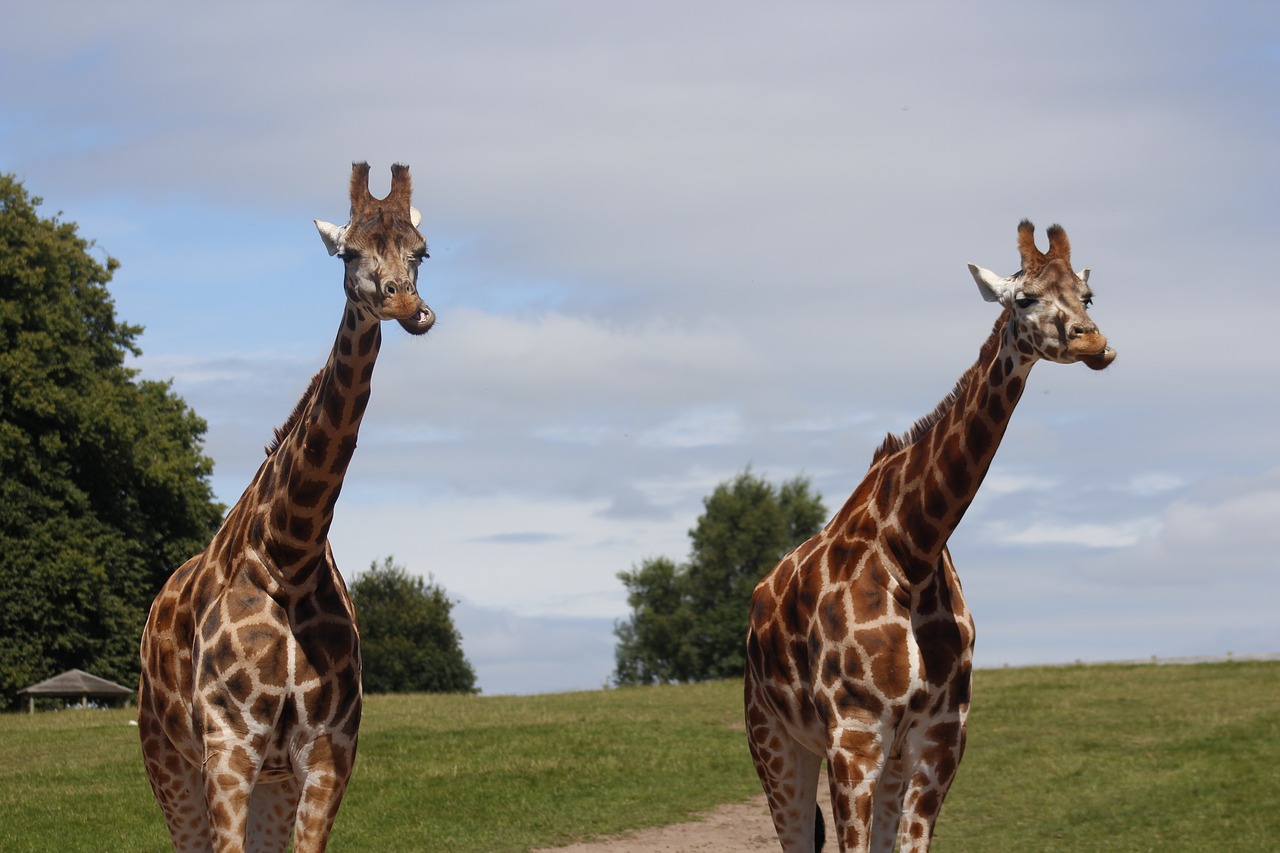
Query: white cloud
1153 483
537 556
522 654
699 427
1224 531
533 366
1097 535
1003 482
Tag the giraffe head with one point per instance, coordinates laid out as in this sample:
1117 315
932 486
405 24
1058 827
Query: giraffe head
1048 302
381 248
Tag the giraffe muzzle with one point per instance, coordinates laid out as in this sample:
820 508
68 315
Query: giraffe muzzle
420 322
402 303
1093 351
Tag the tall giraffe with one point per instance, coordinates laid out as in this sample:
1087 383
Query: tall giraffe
249 702
860 645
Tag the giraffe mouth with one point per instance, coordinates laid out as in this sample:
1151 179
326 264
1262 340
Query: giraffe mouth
419 323
1091 349
1099 360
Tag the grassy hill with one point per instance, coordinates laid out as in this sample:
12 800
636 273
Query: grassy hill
1074 758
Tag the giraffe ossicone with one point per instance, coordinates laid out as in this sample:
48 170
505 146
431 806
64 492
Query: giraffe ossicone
249 702
860 645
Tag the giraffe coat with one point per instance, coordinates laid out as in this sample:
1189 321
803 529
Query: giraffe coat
249 702
860 643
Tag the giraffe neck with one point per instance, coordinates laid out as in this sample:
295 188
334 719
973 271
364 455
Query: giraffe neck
300 481
937 469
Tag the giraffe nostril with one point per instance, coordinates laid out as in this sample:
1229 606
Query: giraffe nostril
391 288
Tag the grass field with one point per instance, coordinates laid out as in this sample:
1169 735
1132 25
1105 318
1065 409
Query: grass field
1075 758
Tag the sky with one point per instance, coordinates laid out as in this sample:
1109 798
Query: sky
671 240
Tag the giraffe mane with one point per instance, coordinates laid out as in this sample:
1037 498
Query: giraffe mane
287 427
894 442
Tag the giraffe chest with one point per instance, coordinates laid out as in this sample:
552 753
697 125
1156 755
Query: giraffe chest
861 650
256 670
270 661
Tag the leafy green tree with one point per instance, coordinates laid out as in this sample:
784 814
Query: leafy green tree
407 637
689 622
654 644
104 489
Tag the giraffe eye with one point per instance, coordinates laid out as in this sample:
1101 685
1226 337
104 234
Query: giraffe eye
348 254
1088 300
1025 302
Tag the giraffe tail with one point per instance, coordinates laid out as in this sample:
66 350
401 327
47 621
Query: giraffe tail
819 830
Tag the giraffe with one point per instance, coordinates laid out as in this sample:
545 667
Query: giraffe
249 701
860 645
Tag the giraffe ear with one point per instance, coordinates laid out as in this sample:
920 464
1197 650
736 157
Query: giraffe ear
331 235
415 218
1084 275
994 288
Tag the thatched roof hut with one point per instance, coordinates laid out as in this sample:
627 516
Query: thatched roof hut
75 684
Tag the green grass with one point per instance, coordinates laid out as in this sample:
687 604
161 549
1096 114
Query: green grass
508 773
73 780
1076 758
1131 758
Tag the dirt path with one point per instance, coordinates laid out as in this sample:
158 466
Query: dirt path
742 826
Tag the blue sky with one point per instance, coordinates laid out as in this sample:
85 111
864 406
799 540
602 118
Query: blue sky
670 240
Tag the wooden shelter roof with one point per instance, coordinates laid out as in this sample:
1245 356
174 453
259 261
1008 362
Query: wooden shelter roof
74 683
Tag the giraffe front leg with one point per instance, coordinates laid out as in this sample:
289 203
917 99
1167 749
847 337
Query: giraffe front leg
325 768
789 774
938 757
272 808
887 807
855 761
229 771
177 786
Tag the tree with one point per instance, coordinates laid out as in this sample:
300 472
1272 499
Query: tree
689 622
408 641
104 489
655 643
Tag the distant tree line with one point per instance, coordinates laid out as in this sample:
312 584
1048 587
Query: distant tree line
688 621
